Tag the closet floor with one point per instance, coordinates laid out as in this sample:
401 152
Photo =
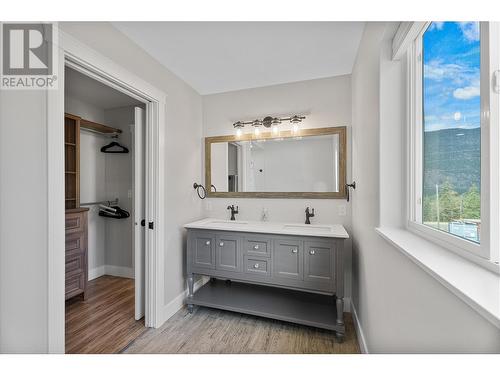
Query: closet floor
104 322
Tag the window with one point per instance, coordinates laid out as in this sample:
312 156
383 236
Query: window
453 157
451 181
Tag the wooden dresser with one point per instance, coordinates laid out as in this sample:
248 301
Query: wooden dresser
76 216
76 252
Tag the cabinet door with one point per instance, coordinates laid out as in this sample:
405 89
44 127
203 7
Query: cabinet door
228 253
204 251
319 262
288 259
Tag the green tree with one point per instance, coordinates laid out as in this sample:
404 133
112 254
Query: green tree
471 206
450 203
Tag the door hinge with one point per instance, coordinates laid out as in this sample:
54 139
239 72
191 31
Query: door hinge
151 225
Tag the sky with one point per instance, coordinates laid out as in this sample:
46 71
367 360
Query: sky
451 58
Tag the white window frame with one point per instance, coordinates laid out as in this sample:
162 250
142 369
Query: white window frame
487 252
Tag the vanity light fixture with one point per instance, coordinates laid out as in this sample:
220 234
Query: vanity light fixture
274 125
239 128
269 122
256 127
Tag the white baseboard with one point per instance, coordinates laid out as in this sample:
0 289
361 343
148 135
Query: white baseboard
178 302
359 331
347 304
108 269
96 272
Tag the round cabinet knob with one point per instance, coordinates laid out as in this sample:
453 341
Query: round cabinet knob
256 247
294 251
256 265
312 252
221 244
207 243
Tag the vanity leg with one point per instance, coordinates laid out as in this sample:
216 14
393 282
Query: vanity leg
340 319
190 295
339 337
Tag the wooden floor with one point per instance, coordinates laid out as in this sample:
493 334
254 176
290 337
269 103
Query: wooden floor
216 331
104 322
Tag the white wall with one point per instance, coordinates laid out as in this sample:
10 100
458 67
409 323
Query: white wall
119 184
400 307
326 102
23 218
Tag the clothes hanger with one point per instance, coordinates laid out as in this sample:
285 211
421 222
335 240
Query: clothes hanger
124 150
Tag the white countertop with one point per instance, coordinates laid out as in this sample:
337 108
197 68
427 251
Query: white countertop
295 229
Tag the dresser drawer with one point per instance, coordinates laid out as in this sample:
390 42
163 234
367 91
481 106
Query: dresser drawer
75 264
255 245
75 285
257 266
75 243
75 222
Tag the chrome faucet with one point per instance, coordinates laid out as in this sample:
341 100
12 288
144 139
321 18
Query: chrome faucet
233 211
308 215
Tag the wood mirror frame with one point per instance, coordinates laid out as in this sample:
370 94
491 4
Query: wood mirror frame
341 194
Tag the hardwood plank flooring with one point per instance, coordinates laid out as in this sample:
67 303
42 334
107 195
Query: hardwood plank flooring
217 331
104 322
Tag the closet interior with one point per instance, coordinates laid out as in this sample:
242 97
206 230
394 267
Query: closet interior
104 205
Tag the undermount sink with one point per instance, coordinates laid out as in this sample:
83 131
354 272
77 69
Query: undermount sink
307 228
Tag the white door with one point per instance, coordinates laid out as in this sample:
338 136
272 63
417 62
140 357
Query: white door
139 212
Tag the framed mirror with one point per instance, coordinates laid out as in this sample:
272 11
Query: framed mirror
308 164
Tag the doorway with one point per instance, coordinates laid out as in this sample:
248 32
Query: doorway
105 215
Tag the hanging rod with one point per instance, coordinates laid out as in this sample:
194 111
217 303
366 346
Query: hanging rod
109 203
110 135
99 128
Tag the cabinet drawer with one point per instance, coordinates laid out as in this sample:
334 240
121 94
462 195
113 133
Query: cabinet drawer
257 246
75 222
75 285
75 264
75 243
257 266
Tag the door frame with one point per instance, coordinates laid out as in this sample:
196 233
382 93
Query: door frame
79 56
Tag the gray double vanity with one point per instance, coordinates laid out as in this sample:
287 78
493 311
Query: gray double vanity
285 271
290 272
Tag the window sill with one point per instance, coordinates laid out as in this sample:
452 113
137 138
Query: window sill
475 285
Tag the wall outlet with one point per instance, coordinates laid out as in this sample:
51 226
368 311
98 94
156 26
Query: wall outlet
342 210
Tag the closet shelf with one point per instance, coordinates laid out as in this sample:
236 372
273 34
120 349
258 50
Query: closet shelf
69 144
99 128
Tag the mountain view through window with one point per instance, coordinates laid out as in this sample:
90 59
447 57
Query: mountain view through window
451 199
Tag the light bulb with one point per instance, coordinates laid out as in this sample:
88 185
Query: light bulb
275 129
257 131
295 128
238 132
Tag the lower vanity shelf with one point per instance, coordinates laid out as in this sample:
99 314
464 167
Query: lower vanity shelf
315 310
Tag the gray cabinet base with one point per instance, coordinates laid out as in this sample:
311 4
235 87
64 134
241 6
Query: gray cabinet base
270 302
